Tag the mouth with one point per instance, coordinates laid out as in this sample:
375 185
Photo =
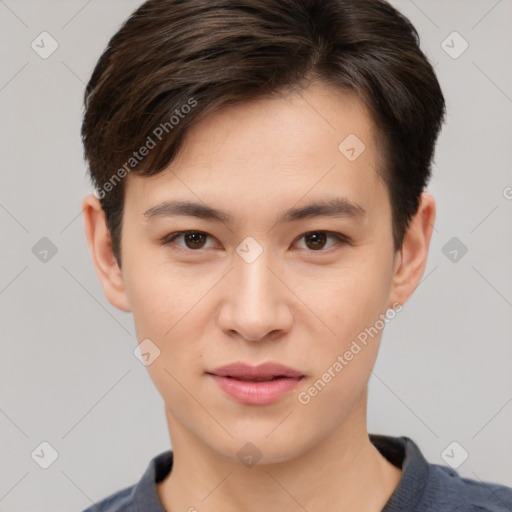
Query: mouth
256 385
257 379
262 372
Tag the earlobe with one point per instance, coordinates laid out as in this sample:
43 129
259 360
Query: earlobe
412 258
100 247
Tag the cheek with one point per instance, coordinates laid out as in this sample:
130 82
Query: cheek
153 305
354 298
353 305
168 307
343 359
170 314
160 295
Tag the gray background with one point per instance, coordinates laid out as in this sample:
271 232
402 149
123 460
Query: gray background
68 374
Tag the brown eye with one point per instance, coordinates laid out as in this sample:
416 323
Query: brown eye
193 240
315 240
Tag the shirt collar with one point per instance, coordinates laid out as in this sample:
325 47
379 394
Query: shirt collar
400 451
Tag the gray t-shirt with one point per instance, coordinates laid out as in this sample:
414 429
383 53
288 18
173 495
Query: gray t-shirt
423 487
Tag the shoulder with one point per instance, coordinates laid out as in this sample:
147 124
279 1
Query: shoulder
429 487
465 494
120 501
141 497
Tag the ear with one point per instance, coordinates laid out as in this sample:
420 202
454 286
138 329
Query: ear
100 246
412 257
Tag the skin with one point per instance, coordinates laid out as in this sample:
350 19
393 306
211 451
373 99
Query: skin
296 304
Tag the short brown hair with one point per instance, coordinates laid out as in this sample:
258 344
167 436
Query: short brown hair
183 59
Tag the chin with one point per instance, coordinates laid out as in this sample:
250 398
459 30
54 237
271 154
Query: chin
257 447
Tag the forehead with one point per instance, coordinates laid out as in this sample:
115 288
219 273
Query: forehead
272 151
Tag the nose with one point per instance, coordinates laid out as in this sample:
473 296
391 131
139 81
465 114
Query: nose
256 303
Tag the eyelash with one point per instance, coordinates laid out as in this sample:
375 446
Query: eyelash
168 240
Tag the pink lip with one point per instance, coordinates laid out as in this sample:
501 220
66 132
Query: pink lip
252 392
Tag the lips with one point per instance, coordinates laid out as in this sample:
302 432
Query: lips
263 372
256 385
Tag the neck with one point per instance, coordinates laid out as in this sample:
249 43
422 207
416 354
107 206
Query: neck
343 472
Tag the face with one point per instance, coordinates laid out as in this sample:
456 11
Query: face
260 286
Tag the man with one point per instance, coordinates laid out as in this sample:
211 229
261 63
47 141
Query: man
260 171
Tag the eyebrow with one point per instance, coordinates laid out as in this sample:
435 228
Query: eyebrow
339 207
